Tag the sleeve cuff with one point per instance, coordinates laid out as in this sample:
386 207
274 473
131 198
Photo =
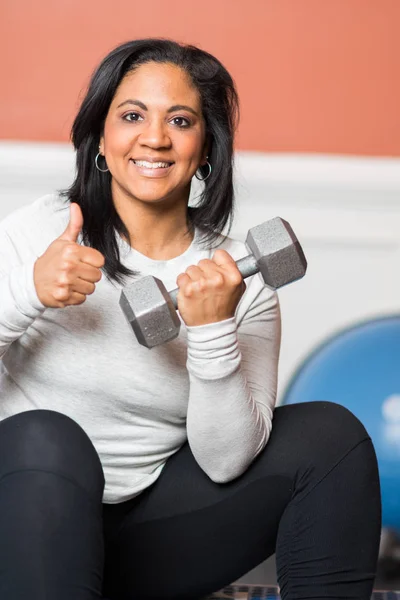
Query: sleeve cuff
30 288
20 303
213 350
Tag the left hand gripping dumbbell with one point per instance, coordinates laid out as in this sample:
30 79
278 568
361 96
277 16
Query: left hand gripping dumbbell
275 253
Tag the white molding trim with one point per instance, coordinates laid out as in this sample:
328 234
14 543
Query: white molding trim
266 168
351 200
317 169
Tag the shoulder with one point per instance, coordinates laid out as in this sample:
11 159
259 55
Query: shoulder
37 212
30 229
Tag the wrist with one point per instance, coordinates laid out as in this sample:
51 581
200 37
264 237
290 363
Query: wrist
202 322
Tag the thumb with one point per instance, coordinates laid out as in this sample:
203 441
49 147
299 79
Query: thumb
75 225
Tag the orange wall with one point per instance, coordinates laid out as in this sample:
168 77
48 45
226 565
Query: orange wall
313 75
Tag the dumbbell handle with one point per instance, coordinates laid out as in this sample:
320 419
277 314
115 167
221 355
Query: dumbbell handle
247 267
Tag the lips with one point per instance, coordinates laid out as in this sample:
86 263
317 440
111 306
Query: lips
151 168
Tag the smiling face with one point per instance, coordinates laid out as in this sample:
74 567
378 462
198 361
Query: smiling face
154 135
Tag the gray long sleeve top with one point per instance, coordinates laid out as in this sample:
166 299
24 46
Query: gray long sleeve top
214 385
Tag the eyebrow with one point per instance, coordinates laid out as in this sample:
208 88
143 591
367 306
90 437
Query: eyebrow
170 110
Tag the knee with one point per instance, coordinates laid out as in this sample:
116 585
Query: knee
337 424
338 441
333 432
318 437
49 441
321 432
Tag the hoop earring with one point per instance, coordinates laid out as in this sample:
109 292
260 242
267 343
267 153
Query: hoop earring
97 166
207 176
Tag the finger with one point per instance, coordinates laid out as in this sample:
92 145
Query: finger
82 286
89 273
222 258
184 282
92 257
75 224
229 267
194 273
206 265
182 279
213 273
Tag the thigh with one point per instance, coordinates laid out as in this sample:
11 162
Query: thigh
51 487
176 554
46 440
187 535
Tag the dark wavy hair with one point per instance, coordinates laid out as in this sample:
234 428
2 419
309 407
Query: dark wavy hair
91 189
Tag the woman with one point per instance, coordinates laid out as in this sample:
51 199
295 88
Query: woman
135 473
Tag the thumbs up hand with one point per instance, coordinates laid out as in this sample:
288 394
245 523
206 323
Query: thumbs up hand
67 272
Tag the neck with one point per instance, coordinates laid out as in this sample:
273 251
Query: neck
160 233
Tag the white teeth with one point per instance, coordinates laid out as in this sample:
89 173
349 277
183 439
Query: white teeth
150 165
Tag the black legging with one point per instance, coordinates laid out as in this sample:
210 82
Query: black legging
312 495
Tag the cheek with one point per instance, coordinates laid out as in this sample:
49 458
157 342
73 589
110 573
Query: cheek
191 147
118 139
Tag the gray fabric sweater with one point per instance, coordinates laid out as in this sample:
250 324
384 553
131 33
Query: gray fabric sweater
215 385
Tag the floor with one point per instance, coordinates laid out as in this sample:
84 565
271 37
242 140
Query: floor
265 574
272 593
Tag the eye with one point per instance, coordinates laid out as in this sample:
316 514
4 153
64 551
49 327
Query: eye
181 122
135 117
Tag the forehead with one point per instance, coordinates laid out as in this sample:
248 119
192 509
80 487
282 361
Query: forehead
162 84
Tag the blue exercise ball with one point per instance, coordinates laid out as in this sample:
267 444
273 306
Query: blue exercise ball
359 368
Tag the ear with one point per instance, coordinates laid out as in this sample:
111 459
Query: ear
206 152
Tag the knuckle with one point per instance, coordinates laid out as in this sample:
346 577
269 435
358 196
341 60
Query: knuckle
202 284
60 294
218 280
69 250
67 266
64 277
204 261
188 291
96 260
236 278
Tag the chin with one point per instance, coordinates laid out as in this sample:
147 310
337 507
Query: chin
149 198
154 196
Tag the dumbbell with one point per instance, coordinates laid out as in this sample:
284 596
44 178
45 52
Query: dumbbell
275 253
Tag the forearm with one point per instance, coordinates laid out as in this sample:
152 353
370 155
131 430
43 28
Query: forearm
19 305
226 426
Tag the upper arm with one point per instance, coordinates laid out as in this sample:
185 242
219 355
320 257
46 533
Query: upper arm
8 255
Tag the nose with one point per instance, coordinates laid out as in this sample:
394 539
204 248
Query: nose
155 134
